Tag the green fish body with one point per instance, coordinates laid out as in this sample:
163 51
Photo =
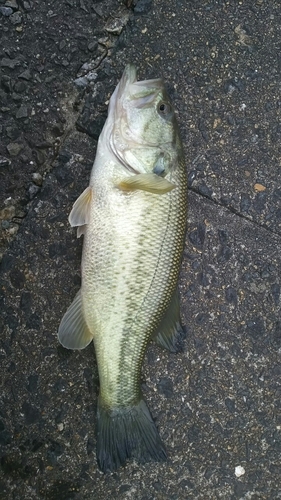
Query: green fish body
133 217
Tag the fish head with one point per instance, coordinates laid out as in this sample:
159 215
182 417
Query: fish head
144 134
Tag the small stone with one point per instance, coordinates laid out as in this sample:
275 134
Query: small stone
259 187
239 471
34 322
191 177
255 327
20 87
14 148
6 11
202 318
57 250
205 190
9 63
259 201
32 383
231 295
223 236
16 18
37 178
31 414
54 451
25 75
92 46
275 290
245 202
25 301
16 97
5 438
165 386
5 224
60 427
17 278
81 82
224 254
12 132
62 44
13 230
22 112
27 6
32 191
143 7
4 162
82 6
197 236
58 129
13 4
230 404
116 26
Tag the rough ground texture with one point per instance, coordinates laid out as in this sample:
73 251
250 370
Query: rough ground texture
217 405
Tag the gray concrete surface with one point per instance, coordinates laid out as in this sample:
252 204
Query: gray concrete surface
217 405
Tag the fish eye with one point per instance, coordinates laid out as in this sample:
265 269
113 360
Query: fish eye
164 108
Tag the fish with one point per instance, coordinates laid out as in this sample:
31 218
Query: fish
133 217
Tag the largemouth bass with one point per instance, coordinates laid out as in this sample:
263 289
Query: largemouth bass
133 217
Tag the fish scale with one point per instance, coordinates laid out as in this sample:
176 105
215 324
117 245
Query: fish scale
133 217
151 297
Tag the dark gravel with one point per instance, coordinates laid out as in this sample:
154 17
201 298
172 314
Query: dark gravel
217 404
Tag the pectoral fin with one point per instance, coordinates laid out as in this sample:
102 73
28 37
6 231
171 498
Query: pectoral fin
80 213
151 183
170 333
73 331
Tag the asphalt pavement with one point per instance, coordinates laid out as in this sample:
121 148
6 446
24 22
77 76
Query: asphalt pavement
218 403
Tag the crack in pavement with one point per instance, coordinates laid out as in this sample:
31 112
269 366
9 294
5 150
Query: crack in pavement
233 211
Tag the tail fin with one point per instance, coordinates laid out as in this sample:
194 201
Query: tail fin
126 432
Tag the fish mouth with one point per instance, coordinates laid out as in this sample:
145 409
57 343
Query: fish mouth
140 94
129 78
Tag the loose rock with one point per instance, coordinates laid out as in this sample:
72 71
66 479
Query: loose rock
6 11
13 4
4 162
25 75
14 148
16 18
22 112
9 63
7 213
37 178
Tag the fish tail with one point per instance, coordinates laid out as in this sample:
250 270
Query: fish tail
126 432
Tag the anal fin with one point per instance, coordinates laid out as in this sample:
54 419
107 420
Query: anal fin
170 333
73 331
